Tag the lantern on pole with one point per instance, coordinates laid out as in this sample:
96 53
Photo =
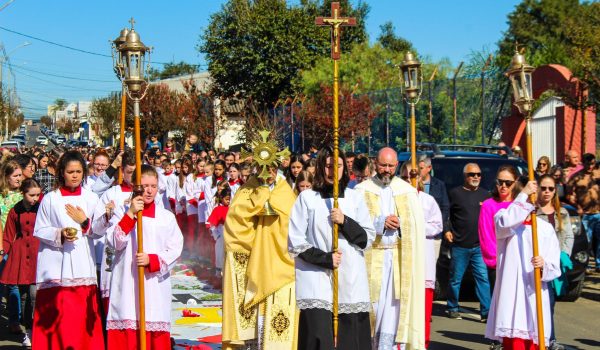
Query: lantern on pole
132 60
411 79
119 68
520 75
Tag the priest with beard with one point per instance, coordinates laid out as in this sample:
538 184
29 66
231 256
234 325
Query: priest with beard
395 262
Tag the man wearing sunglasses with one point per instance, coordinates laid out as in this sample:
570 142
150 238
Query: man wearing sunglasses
465 204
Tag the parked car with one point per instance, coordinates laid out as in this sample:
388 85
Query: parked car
42 140
448 162
12 146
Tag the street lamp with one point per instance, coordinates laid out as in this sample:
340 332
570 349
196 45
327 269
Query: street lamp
119 67
133 67
3 60
520 75
520 78
411 79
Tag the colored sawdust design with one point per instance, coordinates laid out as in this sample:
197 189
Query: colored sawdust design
207 315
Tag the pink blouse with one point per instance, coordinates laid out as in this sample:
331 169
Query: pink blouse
487 231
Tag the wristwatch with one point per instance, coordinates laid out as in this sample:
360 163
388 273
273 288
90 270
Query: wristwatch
85 223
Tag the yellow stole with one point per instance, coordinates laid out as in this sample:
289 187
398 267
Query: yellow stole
258 275
408 260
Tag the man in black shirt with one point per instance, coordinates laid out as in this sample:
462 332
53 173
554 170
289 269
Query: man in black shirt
465 204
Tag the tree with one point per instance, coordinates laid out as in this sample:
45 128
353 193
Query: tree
355 116
541 27
388 39
46 120
171 70
106 112
257 48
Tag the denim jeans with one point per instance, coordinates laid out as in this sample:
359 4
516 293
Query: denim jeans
591 224
461 259
18 310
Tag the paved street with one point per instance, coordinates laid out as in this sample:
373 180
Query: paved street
576 323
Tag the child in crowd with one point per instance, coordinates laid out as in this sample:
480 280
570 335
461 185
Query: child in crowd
235 179
22 247
215 222
304 181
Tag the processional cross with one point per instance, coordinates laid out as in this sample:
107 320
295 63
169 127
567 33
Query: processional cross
335 22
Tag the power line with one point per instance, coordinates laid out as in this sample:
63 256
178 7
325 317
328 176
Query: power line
71 47
63 85
17 67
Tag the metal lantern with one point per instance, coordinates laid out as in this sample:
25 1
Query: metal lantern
133 57
411 77
520 77
118 63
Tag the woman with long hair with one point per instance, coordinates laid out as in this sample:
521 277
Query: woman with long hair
191 204
543 166
66 309
512 317
309 241
550 210
297 165
503 193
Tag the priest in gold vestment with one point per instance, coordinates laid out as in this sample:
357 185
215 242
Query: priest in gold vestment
259 301
395 263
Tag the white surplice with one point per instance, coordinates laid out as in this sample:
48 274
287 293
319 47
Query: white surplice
433 226
100 224
67 264
513 308
161 237
310 226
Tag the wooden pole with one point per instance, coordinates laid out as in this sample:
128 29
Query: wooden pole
336 184
139 232
534 239
122 128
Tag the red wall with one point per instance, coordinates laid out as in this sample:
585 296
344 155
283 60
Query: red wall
569 125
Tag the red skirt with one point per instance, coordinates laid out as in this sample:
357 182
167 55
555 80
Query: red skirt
127 339
67 318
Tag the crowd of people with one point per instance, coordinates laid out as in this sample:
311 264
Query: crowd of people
69 242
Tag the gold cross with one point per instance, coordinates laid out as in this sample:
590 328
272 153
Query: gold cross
132 21
335 22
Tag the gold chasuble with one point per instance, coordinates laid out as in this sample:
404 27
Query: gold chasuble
258 275
408 259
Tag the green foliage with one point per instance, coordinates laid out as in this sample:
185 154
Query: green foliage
540 27
388 39
171 70
106 112
257 48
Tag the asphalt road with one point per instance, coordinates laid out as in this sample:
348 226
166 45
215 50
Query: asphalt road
576 324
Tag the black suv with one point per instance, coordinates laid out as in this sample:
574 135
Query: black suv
448 162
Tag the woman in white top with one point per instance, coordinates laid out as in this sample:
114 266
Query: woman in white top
310 242
512 316
66 309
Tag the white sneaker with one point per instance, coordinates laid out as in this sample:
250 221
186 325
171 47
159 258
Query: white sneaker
26 340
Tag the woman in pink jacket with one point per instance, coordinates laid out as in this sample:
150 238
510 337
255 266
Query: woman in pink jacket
503 193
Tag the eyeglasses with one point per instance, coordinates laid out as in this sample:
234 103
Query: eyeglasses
506 183
474 174
101 165
542 164
547 188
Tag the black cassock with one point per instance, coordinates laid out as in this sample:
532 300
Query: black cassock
315 329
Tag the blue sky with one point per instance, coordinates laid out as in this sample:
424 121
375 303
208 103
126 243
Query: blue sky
45 72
